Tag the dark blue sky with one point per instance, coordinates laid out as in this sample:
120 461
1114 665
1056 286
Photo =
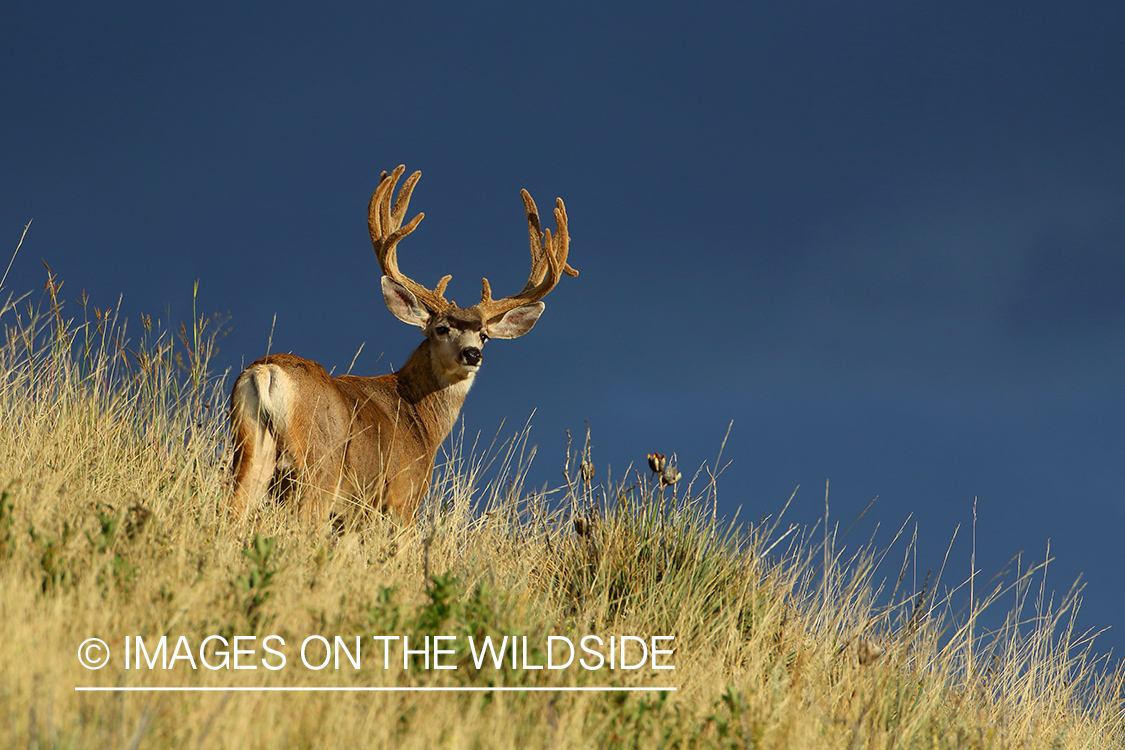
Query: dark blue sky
886 239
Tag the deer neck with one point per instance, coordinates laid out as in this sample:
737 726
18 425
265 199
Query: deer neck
436 399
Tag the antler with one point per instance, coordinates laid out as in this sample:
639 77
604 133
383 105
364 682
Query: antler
385 226
548 263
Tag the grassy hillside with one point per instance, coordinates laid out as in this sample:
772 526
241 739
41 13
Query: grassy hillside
113 476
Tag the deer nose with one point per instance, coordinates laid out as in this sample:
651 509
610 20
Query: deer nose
470 355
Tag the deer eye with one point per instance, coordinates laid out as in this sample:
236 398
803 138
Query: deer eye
441 330
483 337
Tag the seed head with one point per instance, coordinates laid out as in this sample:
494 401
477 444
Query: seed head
669 475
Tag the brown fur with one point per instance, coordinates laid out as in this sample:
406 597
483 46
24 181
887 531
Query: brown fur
343 437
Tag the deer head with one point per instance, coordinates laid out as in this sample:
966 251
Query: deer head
456 334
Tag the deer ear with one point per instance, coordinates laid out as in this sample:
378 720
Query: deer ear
403 304
516 322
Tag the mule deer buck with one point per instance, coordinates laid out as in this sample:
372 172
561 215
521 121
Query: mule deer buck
373 440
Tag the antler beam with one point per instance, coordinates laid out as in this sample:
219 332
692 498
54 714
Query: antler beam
385 225
548 252
548 263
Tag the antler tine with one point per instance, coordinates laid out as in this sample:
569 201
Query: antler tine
560 223
535 235
385 225
548 262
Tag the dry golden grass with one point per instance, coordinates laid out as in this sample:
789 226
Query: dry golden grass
112 467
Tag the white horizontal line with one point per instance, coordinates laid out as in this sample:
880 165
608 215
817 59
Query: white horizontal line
186 689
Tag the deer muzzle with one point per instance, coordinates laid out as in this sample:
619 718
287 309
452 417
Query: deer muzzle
470 356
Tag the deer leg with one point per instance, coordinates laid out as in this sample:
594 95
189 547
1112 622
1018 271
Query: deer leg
321 473
255 446
253 473
319 497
